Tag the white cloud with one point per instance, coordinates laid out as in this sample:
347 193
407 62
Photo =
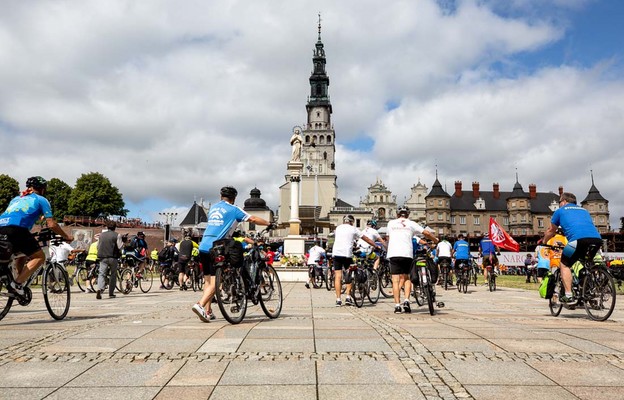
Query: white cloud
172 101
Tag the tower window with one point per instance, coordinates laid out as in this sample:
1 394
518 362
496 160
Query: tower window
329 139
307 138
322 139
318 114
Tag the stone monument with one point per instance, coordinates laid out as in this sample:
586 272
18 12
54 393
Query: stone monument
294 243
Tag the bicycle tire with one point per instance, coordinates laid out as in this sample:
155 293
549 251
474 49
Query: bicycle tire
385 280
166 278
429 294
459 279
56 291
329 282
445 277
490 282
358 293
554 304
598 291
474 277
146 281
465 284
317 281
82 276
374 289
230 294
418 295
270 294
199 281
5 301
125 281
192 278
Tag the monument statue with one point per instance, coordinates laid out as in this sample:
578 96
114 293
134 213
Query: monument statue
295 141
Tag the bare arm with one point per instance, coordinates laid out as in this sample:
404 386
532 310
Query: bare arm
431 236
550 232
52 224
258 220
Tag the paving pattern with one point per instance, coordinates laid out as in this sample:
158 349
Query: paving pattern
482 345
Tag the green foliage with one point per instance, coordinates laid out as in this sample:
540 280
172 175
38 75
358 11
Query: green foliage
58 194
9 188
94 195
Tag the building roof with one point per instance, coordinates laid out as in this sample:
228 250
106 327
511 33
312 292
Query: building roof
594 193
195 216
539 205
255 203
437 191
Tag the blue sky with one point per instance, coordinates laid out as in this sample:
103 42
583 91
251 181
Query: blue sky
173 101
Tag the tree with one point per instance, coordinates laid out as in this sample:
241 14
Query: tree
58 194
9 188
94 195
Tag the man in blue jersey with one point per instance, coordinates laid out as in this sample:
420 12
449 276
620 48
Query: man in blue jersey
581 233
488 251
461 252
17 221
223 219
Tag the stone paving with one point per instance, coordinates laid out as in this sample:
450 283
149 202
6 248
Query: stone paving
482 345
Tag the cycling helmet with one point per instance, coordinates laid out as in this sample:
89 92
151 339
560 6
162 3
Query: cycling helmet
141 234
403 210
372 223
37 182
229 192
348 219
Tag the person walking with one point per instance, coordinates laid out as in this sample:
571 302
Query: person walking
108 252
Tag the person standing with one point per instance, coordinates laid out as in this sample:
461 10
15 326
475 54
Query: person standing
223 218
345 236
184 256
108 252
314 257
401 255
444 251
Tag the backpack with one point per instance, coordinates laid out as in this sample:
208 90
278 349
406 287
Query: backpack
163 254
547 287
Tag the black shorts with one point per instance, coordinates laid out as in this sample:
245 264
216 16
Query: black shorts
486 260
541 272
400 265
207 265
182 267
576 249
342 263
459 262
21 239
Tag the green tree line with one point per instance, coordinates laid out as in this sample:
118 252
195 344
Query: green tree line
92 196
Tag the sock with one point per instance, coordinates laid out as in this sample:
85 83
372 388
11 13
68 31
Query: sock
397 305
568 294
406 300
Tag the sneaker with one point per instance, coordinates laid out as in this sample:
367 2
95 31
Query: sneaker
201 313
348 301
398 309
211 316
338 303
112 296
406 307
307 285
567 300
16 288
182 288
98 295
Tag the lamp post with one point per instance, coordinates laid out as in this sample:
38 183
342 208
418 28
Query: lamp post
170 217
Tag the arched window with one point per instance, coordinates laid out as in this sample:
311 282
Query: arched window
328 139
307 138
324 155
322 139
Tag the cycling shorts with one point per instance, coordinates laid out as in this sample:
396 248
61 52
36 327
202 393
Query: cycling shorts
576 249
400 265
207 264
21 239
458 262
342 263
486 260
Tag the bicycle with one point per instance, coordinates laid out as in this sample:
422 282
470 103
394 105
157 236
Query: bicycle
592 285
316 275
255 281
445 268
168 276
423 288
196 275
385 278
131 278
359 284
464 270
374 284
475 269
55 283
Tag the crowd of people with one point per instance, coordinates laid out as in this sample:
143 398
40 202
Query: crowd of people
571 230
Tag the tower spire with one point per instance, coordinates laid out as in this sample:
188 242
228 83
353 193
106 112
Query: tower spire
591 173
319 27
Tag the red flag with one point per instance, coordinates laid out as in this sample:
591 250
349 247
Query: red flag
501 238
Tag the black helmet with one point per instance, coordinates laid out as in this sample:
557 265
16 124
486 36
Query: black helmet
36 182
140 234
348 219
403 210
372 223
229 192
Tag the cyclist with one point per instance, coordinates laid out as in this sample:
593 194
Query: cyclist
444 251
371 232
342 252
223 217
315 254
581 233
542 255
461 252
401 254
17 221
185 252
488 251
92 259
555 254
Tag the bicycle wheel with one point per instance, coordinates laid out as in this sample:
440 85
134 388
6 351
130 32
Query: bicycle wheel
429 294
445 277
465 284
199 282
56 291
230 294
271 298
166 278
490 282
554 304
192 278
599 294
317 279
418 295
474 277
385 282
146 281
5 301
358 292
459 280
374 287
126 281
329 282
82 277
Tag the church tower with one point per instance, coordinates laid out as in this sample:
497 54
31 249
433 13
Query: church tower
318 181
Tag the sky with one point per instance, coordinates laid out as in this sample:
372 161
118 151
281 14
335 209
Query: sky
172 100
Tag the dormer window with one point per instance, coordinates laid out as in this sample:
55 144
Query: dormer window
480 204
